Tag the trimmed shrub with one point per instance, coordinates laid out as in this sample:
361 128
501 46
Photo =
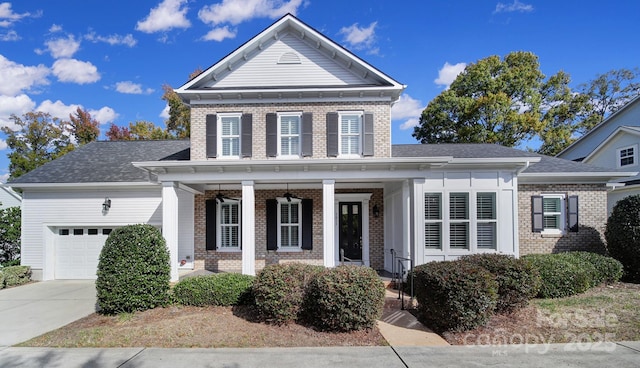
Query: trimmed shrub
16 275
345 298
454 295
133 270
561 275
518 281
623 236
602 269
279 291
218 289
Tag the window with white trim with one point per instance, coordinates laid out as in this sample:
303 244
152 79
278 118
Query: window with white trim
229 225
628 156
229 136
459 220
487 221
289 134
433 220
553 213
289 223
350 134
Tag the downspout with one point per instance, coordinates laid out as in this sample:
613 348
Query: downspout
520 170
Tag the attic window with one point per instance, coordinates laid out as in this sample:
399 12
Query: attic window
289 58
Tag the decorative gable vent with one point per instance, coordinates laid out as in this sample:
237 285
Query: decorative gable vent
289 58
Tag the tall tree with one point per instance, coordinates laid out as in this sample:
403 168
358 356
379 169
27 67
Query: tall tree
179 121
10 232
491 101
140 130
610 91
83 127
37 139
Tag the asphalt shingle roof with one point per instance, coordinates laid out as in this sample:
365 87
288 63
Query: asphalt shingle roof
106 162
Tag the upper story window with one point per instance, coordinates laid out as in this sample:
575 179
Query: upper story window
229 137
350 134
628 156
289 134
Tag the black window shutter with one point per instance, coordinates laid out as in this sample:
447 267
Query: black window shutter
537 214
212 139
272 224
246 145
211 224
272 134
572 214
332 134
367 141
307 223
307 134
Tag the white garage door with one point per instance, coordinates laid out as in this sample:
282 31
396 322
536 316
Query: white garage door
77 252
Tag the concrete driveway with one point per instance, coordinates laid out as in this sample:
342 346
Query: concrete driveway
30 310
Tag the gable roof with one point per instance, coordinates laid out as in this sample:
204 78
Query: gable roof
289 59
105 162
602 126
616 133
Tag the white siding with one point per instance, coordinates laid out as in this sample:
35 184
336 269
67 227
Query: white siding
42 212
263 70
8 198
608 155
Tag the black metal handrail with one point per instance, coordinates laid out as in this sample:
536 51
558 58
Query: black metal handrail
398 278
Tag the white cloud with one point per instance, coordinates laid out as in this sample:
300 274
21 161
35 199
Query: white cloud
516 6
75 71
58 109
448 73
17 77
167 15
104 115
165 112
63 47
17 105
8 17
3 144
129 87
112 40
238 11
360 38
9 36
55 28
219 34
407 107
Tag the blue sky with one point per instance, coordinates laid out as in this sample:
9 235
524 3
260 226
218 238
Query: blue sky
112 57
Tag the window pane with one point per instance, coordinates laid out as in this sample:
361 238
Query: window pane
294 236
459 235
432 206
459 206
433 235
350 145
284 236
487 235
230 125
486 203
551 204
551 221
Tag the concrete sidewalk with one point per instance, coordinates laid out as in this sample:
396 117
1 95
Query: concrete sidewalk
565 355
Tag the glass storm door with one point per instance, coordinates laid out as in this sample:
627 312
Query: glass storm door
351 229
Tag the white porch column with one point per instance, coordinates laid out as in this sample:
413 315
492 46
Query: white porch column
170 224
417 221
328 222
248 228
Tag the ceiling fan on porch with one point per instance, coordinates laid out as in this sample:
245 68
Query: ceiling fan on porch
289 196
221 197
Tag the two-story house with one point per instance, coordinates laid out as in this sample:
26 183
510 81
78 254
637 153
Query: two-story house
613 143
290 160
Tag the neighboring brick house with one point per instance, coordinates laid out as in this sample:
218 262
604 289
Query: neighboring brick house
290 160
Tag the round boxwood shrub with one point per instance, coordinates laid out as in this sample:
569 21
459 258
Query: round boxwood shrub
605 269
454 295
133 270
16 275
279 291
345 298
217 289
623 236
561 276
518 281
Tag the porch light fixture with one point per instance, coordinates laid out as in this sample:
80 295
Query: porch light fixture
106 205
376 211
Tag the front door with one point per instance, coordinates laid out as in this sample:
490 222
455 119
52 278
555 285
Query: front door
350 233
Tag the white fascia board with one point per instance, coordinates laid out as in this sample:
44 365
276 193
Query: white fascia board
235 101
611 137
84 185
572 178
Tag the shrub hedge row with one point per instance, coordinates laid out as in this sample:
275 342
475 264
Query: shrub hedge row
224 289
